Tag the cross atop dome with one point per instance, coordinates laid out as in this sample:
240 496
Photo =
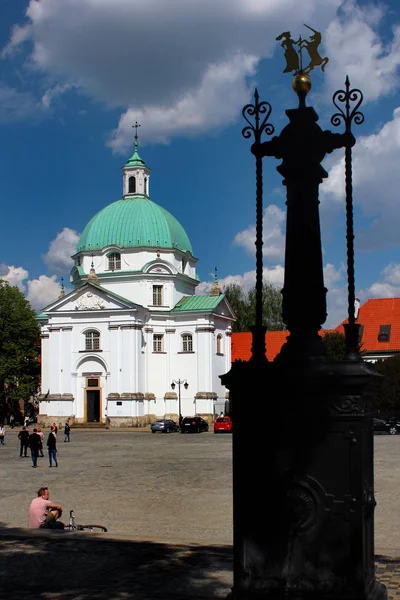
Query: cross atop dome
136 126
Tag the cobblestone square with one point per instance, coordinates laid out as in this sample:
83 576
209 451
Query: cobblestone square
167 503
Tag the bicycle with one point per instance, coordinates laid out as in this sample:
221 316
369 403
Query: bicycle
72 526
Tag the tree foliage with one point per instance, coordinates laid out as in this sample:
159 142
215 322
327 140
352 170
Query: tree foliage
388 396
19 349
244 305
335 345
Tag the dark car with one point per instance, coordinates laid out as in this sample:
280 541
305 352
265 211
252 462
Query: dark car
383 426
164 425
223 425
193 425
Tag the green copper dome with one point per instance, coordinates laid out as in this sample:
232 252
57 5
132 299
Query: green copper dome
131 223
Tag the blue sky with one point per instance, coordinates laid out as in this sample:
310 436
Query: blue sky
76 74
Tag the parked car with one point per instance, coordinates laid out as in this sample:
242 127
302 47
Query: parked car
193 425
383 426
223 425
164 425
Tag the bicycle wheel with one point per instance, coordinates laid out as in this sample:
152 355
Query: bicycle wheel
94 528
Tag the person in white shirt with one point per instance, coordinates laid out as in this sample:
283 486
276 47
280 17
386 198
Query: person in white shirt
2 434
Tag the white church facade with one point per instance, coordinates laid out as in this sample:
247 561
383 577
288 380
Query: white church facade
133 341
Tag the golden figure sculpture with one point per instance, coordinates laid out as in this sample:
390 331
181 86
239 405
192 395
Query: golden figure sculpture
312 49
294 57
291 54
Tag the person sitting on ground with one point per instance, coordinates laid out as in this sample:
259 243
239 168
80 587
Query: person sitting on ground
43 513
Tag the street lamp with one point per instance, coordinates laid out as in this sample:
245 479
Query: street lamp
179 382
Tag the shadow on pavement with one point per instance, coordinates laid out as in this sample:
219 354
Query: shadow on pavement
65 565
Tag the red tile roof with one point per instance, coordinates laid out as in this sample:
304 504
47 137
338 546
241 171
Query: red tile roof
374 313
241 344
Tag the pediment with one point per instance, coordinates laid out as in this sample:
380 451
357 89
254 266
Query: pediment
159 267
225 309
90 298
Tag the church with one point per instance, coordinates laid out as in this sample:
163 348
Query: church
133 342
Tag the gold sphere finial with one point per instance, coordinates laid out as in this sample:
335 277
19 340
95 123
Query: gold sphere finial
301 82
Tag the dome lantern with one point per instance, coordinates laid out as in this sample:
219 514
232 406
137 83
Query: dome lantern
136 174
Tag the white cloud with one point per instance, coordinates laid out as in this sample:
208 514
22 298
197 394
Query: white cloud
195 111
43 291
54 92
388 287
16 105
14 276
174 61
376 180
273 236
355 48
58 257
273 275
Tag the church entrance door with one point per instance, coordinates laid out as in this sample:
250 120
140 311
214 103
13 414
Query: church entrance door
93 400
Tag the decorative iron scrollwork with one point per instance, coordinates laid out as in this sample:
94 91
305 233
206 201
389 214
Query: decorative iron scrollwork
257 110
346 405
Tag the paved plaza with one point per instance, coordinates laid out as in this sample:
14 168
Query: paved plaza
167 503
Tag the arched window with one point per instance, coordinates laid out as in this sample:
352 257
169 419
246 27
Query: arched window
187 342
219 344
92 340
132 185
145 186
114 261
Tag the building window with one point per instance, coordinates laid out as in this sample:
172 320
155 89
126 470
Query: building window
92 340
187 342
132 185
158 342
145 186
114 261
219 344
157 295
384 333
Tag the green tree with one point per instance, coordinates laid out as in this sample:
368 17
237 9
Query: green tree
335 345
388 396
19 349
244 305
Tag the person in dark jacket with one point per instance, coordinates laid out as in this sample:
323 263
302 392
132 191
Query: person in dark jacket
35 443
23 437
67 431
52 447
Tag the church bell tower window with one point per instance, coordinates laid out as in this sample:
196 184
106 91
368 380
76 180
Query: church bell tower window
132 185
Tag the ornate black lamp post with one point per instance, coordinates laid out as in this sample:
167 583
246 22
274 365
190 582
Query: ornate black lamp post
179 382
303 499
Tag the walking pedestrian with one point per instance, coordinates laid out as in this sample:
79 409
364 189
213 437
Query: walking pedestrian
55 428
26 421
41 434
2 434
67 430
23 437
34 443
11 421
52 447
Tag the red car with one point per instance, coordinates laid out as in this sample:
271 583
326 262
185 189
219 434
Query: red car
223 425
